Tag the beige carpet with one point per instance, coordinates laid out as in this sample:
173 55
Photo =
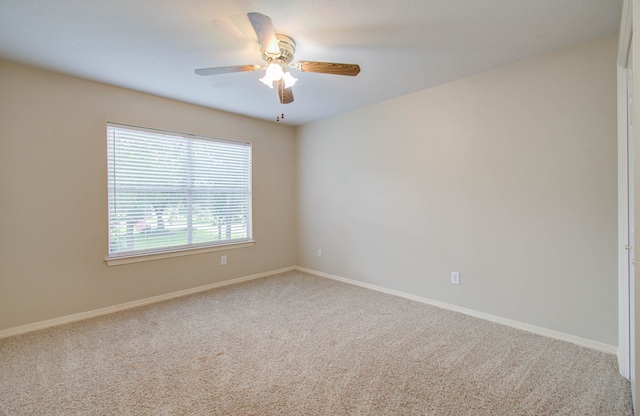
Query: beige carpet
301 345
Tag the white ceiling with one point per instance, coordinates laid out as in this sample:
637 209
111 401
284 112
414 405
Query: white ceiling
402 46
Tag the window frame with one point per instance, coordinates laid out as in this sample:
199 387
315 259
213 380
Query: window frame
134 256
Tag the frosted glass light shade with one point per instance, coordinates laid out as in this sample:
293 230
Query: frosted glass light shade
273 73
288 79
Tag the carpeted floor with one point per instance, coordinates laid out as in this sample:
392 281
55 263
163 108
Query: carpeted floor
299 344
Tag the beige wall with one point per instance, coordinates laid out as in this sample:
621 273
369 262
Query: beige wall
508 177
53 197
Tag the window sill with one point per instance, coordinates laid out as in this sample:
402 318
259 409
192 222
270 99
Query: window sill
117 261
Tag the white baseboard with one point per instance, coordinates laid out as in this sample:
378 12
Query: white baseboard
610 349
129 305
134 304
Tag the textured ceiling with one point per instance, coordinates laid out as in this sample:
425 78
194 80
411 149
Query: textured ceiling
402 46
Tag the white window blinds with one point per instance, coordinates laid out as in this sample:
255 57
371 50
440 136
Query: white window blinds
170 191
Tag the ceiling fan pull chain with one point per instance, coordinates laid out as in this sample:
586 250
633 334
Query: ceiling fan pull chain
281 91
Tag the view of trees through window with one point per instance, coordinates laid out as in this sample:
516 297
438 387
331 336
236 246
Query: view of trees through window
169 191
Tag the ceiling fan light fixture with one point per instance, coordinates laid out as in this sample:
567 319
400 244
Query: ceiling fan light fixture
272 74
288 79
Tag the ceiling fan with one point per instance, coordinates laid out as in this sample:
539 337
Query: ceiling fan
278 50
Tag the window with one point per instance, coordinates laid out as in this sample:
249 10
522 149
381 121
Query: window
172 191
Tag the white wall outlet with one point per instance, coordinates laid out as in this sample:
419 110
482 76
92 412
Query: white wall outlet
223 260
455 278
319 253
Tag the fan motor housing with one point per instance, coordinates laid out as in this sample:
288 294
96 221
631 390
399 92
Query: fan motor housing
287 49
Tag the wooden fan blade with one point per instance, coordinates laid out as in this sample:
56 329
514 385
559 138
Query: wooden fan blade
266 33
226 69
328 68
285 94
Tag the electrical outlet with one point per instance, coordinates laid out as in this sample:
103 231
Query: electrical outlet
223 260
455 278
319 253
